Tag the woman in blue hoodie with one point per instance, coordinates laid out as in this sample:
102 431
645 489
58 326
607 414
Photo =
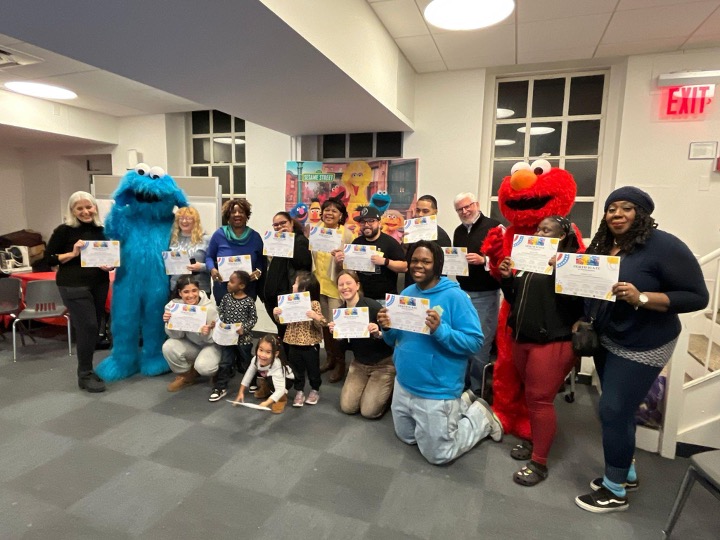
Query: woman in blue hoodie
429 407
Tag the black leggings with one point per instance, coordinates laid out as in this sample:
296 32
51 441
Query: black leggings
86 306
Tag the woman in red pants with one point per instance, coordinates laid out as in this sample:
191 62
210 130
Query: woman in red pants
542 353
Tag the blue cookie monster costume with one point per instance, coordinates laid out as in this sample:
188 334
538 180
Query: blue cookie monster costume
141 219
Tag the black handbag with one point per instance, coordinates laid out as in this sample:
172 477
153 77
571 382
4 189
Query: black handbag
585 341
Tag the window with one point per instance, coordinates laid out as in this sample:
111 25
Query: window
386 144
559 118
218 149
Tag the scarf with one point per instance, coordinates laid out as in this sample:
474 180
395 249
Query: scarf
234 238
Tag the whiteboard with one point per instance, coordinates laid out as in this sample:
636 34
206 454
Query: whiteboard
202 192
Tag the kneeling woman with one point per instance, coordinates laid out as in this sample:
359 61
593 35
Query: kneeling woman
190 354
542 352
369 381
427 408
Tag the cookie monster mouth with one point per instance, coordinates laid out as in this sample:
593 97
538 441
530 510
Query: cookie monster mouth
146 197
532 203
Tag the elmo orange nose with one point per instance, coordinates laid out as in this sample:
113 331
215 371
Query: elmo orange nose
522 179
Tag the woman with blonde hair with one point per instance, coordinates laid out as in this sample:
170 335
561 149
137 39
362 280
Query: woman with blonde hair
188 235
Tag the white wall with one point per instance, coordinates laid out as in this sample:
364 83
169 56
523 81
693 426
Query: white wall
12 202
146 134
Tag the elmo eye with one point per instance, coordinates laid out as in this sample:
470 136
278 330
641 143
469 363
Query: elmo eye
520 165
156 172
142 168
541 166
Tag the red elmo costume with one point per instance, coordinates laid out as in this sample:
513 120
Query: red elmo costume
526 197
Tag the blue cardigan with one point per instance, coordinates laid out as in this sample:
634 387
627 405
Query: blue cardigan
219 246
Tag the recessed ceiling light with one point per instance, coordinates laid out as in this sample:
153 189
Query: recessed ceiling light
40 90
505 113
541 130
467 14
228 140
504 142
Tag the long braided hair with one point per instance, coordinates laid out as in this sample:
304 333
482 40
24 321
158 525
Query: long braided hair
637 234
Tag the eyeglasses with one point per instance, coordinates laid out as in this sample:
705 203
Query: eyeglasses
280 224
464 208
371 221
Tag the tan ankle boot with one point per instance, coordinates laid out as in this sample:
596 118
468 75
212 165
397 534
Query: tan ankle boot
181 381
339 373
263 391
279 405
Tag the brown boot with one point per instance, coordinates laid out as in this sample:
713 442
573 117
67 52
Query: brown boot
263 391
279 405
182 380
328 365
339 373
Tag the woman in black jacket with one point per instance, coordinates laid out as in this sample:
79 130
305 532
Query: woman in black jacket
541 321
280 271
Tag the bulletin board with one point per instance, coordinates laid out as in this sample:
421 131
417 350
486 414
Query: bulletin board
202 192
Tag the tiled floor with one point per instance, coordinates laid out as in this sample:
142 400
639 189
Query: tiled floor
139 462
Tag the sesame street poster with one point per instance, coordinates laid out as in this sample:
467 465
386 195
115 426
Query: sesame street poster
388 184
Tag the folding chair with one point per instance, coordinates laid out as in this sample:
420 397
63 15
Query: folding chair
10 296
42 300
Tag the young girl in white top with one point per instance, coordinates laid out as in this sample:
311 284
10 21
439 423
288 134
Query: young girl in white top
274 377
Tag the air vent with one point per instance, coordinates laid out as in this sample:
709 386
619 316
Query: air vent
10 58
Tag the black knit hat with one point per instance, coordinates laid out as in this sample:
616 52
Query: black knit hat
633 195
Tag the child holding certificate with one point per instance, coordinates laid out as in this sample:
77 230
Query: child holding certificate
235 307
190 354
274 377
542 353
370 379
304 339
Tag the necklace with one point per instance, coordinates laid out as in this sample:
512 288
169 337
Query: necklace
615 242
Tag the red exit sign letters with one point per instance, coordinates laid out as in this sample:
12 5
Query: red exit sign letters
683 101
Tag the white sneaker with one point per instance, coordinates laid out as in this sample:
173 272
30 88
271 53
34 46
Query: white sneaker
299 400
469 397
496 428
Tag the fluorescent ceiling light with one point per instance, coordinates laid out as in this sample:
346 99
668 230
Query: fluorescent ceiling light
40 90
504 113
541 130
228 140
467 14
504 142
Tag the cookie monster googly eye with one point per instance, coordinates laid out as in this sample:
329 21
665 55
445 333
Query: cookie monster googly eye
156 172
142 169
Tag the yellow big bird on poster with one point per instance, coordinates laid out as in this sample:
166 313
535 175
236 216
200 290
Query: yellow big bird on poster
356 178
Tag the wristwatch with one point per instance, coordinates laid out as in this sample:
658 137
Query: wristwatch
642 300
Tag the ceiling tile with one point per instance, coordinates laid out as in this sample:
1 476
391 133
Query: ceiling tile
430 67
7 40
419 49
51 63
542 10
532 56
639 4
699 42
401 18
608 50
494 46
559 34
710 27
657 23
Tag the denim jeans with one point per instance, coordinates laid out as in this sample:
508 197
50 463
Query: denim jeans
487 305
367 388
443 429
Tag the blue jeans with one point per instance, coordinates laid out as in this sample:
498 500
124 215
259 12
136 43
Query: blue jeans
487 305
443 429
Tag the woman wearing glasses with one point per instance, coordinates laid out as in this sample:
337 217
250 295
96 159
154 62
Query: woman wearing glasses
188 235
280 271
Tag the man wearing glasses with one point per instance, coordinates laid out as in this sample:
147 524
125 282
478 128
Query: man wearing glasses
480 286
387 265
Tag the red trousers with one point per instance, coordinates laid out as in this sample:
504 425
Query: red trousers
542 368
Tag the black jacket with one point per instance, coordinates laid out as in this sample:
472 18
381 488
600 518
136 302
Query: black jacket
367 351
280 274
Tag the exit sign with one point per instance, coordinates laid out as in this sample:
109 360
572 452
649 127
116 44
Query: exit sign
687 101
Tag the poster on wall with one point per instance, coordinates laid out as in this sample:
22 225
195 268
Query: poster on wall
388 184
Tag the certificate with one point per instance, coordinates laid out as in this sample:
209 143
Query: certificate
407 312
227 265
591 276
456 263
279 244
185 317
226 334
357 257
324 239
176 262
294 307
533 253
351 323
423 228
94 253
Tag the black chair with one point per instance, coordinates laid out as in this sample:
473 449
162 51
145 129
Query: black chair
705 468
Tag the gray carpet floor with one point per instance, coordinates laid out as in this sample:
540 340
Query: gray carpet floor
140 462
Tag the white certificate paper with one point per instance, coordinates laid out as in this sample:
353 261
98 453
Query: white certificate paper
294 307
185 317
456 263
176 262
357 257
227 265
533 253
226 334
591 276
94 253
351 323
324 239
407 312
279 244
422 228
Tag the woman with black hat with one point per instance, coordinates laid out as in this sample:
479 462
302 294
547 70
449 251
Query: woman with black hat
659 278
